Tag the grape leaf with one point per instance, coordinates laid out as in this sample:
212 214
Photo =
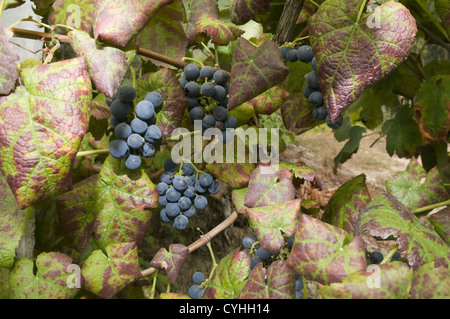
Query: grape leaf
303 172
394 282
416 188
346 203
432 109
430 282
76 14
242 11
441 223
296 113
275 282
238 197
8 59
270 101
111 204
254 70
443 10
351 54
107 65
9 4
243 113
385 216
352 145
229 276
221 33
49 282
319 252
236 175
119 21
274 222
166 83
173 295
106 273
269 185
42 124
171 261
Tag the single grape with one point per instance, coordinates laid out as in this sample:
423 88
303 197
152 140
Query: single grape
314 64
248 241
138 126
145 110
148 150
312 79
290 241
181 222
220 113
120 109
231 122
170 165
163 216
172 210
187 169
126 93
162 188
214 188
254 261
396 256
173 195
208 89
189 192
208 121
220 77
305 53
189 212
191 72
199 188
307 91
122 130
263 253
221 93
192 179
167 177
200 202
116 120
376 257
224 102
183 81
119 149
315 99
135 141
184 203
197 113
206 180
320 113
336 124
283 51
155 98
207 72
163 200
180 183
198 277
192 89
153 134
133 162
195 292
298 295
298 283
291 55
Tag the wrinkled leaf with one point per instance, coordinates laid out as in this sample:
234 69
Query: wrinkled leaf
352 55
319 252
171 261
8 59
387 281
303 172
269 101
275 282
76 14
221 33
242 11
346 203
272 223
229 276
385 216
49 282
430 282
416 188
254 70
296 113
42 124
441 223
106 274
236 175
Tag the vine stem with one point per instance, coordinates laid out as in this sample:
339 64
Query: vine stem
361 10
429 207
213 261
389 255
92 152
2 6
203 240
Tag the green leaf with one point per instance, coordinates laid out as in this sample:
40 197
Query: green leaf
106 274
111 205
171 261
303 172
296 113
432 109
119 21
221 33
346 203
270 101
319 252
229 276
44 122
296 79
13 222
242 11
394 282
238 197
173 295
274 222
416 188
76 14
430 282
8 59
352 145
13 4
385 216
236 175
441 223
107 65
352 55
275 282
403 134
443 10
254 70
243 113
49 282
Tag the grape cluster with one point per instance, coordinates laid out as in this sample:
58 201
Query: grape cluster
196 291
182 193
311 91
376 257
260 255
136 136
207 90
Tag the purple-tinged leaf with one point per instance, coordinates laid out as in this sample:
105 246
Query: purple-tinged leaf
229 276
385 216
173 295
221 32
107 65
430 282
296 113
441 223
171 261
236 175
119 21
254 70
49 282
346 203
275 282
319 252
73 13
269 185
100 110
8 59
274 222
106 274
387 281
41 127
303 172
242 11
269 101
352 55
416 188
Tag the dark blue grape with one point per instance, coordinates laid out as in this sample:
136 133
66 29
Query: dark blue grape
187 169
192 179
200 202
148 150
138 126
249 241
180 183
254 261
307 91
283 51
298 295
116 120
320 113
126 93
155 98
312 79
167 177
172 210
206 180
192 102
122 130
181 222
162 188
214 188
220 77
336 124
208 122
191 72
183 81
198 277
135 141
315 99
189 192
221 93
290 241
396 256
153 134
314 64
184 203
207 72
170 165
133 162
173 195
196 113
220 113
298 284
119 149
192 89
231 122
163 216
305 53
162 200
208 89
291 55
145 110
195 292
189 212
376 257
263 253
120 109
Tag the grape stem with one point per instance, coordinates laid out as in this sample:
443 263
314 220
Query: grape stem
2 6
213 261
92 152
361 10
429 207
389 255
194 60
